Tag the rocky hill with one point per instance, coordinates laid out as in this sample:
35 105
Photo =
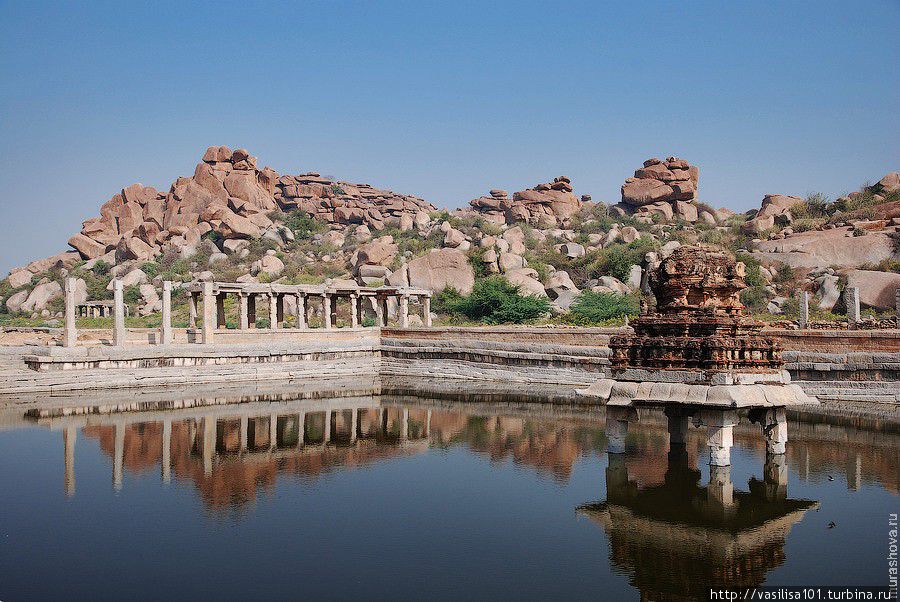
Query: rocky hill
232 220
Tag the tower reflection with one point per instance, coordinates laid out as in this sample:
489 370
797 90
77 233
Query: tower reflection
679 538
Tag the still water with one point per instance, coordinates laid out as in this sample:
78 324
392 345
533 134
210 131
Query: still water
412 499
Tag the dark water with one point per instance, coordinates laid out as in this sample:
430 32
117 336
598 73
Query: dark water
429 501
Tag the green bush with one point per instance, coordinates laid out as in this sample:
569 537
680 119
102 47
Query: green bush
753 277
301 224
101 268
595 308
494 300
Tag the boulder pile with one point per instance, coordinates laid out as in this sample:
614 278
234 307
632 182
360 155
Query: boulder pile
546 205
230 195
350 204
668 188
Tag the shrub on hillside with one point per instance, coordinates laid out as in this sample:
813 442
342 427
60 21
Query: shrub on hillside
493 300
302 225
595 308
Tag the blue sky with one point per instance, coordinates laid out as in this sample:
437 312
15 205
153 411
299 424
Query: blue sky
442 100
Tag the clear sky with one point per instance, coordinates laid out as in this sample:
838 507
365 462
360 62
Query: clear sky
442 100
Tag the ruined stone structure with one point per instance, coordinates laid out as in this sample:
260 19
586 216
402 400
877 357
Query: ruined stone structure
697 324
698 356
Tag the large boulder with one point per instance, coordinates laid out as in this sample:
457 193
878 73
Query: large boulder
836 247
888 183
41 295
15 301
876 289
437 270
527 281
268 264
828 291
380 251
773 206
88 247
20 277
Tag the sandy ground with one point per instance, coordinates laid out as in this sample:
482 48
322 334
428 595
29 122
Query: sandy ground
27 338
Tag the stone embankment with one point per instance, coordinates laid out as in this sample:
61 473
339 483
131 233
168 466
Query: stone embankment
508 359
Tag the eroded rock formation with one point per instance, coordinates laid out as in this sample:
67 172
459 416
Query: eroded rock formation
230 195
667 188
545 205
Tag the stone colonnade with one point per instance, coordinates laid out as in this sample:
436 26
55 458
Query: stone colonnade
719 425
206 436
213 296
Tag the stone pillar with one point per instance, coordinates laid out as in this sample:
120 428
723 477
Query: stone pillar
427 423
273 431
273 311
166 334
251 311
242 433
166 468
404 424
301 426
719 435
192 319
119 455
380 319
354 424
209 443
854 471
354 310
70 335
616 478
326 310
327 436
720 491
301 311
426 310
243 319
678 427
209 313
804 309
617 428
775 477
385 311
220 310
404 311
851 300
334 310
279 311
119 314
774 425
69 436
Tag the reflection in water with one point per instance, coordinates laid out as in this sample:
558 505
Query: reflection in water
678 539
671 535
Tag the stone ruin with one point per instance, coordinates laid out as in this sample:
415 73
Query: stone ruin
697 324
699 357
697 347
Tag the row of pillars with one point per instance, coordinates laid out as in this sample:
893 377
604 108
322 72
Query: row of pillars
851 302
70 332
719 429
214 310
208 441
